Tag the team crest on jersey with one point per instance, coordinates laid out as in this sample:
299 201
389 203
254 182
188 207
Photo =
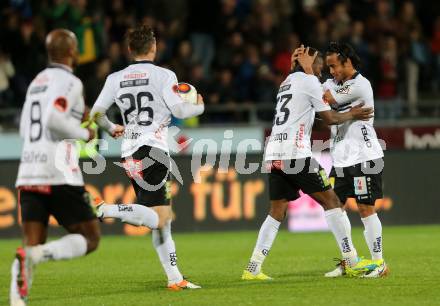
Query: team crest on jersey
60 104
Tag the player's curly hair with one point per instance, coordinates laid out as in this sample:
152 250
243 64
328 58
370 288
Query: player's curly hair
344 52
140 39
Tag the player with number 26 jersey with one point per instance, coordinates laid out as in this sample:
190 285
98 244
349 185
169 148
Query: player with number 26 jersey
146 95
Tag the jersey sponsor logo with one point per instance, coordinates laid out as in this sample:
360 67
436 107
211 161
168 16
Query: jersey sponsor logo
131 134
60 104
300 136
30 157
37 90
366 136
360 185
280 137
134 83
284 88
343 90
135 75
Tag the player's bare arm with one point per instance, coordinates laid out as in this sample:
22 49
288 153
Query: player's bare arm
356 113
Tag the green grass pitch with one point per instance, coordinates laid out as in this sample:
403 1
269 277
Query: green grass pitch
126 271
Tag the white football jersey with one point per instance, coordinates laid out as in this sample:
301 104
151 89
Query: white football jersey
353 142
144 94
55 97
299 96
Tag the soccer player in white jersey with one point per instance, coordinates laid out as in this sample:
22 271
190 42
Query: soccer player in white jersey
289 157
355 150
147 96
49 179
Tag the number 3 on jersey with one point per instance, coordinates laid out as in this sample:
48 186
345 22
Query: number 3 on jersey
280 119
136 103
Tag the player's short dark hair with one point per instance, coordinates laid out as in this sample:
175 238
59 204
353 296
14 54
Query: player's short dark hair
344 52
312 51
140 39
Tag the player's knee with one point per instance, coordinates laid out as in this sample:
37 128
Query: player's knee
92 242
366 210
165 217
278 213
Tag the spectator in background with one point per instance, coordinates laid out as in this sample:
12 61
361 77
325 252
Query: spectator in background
224 93
247 72
388 103
282 58
417 57
340 22
183 61
7 71
435 48
358 42
117 60
250 38
199 80
382 22
96 82
319 39
89 31
201 27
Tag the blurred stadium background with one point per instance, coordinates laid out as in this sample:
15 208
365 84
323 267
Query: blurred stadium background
236 53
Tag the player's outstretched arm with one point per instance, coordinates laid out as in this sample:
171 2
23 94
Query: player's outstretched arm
356 113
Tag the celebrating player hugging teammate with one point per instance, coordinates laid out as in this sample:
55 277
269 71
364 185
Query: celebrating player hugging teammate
355 150
147 96
291 164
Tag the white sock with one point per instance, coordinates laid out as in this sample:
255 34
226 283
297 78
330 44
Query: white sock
166 250
13 293
373 235
266 236
346 221
134 214
67 247
341 229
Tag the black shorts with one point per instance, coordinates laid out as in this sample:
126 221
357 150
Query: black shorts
310 177
361 181
149 171
68 204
